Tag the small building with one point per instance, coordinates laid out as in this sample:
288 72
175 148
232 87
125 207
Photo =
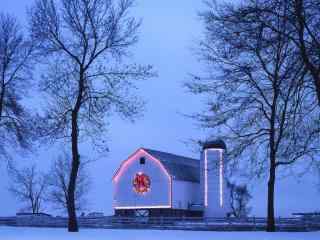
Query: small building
156 183
307 215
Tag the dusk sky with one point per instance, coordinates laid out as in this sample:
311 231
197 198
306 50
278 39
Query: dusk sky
169 31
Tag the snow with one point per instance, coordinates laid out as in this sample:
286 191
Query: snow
14 233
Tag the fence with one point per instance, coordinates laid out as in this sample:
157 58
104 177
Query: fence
170 223
8 221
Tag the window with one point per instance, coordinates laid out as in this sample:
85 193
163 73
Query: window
142 160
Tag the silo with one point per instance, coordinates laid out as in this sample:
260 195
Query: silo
215 195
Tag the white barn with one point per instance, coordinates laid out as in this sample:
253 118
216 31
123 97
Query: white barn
157 183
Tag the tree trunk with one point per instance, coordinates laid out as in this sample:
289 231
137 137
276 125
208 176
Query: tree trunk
271 183
272 169
72 223
2 99
316 78
314 71
33 207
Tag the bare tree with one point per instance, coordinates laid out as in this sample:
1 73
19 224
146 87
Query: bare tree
260 99
86 44
58 179
15 80
306 22
303 21
29 186
302 17
240 197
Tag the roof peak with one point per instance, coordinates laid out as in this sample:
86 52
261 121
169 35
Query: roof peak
173 154
214 143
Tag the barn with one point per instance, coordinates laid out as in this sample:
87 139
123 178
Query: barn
156 183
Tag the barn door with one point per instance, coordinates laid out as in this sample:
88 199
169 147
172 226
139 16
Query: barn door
142 213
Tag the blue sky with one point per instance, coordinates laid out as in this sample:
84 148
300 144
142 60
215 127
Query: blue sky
170 30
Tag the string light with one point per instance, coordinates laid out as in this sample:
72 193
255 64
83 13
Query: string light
125 164
135 156
205 178
143 207
221 178
206 175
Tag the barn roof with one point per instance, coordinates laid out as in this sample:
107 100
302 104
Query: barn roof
179 167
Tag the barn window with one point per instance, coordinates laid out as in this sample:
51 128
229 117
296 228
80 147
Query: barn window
142 160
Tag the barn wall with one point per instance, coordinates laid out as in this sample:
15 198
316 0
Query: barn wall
184 194
160 187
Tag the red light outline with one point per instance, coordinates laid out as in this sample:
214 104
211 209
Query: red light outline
127 162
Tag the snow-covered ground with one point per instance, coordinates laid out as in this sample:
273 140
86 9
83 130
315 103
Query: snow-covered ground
13 233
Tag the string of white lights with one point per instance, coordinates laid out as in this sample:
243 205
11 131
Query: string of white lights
206 175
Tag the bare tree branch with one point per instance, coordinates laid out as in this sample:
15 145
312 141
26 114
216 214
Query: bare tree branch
86 44
16 55
29 186
260 97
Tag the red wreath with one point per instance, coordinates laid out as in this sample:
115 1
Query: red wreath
141 183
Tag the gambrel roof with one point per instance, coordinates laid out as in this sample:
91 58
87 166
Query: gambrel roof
179 167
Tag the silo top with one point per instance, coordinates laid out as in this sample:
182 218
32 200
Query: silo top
217 143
